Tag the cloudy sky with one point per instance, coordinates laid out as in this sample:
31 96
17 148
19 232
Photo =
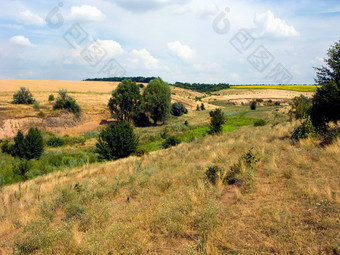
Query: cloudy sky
239 42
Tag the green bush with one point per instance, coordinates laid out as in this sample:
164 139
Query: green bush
66 102
21 168
216 122
51 98
301 107
202 107
171 141
198 108
116 141
253 105
305 130
36 106
178 109
277 103
214 173
259 123
141 152
41 114
55 142
23 96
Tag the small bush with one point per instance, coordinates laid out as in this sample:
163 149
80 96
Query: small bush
198 108
214 173
23 96
41 114
305 130
21 168
216 122
116 141
178 109
66 102
36 106
253 105
51 98
141 152
55 142
171 141
186 123
202 107
277 103
259 100
259 123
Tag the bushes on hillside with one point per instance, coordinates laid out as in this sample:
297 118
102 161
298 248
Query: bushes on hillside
23 96
178 109
66 102
171 141
305 130
216 122
259 123
25 147
116 141
300 107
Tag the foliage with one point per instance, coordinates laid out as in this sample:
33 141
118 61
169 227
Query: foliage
116 141
253 105
119 79
33 144
198 108
277 103
301 88
259 123
202 87
202 107
305 130
125 98
36 106
55 141
171 141
214 173
330 72
21 168
66 102
141 152
326 104
23 96
178 109
216 122
157 98
51 98
300 107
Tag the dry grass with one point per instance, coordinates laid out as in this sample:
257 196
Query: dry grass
162 203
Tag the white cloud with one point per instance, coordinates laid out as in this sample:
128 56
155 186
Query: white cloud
144 57
181 50
21 41
268 25
234 77
86 13
207 11
146 5
29 18
113 48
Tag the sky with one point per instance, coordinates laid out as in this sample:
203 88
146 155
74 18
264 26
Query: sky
215 41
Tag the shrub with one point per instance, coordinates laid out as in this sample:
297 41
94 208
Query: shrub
51 98
171 141
214 173
116 141
202 107
198 108
66 102
55 142
141 152
36 106
300 107
140 119
253 105
259 100
178 109
216 122
259 123
305 130
186 123
41 114
23 96
21 168
277 103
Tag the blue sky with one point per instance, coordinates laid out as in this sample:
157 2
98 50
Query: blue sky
238 42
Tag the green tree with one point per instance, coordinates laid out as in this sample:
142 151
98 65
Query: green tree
202 107
330 72
301 107
157 98
33 144
178 109
125 99
18 149
116 141
23 96
198 108
216 122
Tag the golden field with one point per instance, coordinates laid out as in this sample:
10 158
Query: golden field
301 88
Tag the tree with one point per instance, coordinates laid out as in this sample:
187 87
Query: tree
326 101
202 107
198 108
332 70
178 109
326 104
23 96
116 141
157 98
125 99
253 105
18 149
301 107
33 144
216 122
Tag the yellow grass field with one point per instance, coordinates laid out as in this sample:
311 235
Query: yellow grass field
302 88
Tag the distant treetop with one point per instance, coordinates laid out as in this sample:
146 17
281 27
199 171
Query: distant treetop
119 79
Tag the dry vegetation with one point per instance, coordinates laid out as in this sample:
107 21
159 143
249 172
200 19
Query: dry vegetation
162 203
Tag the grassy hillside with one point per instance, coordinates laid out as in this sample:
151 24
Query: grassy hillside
162 203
